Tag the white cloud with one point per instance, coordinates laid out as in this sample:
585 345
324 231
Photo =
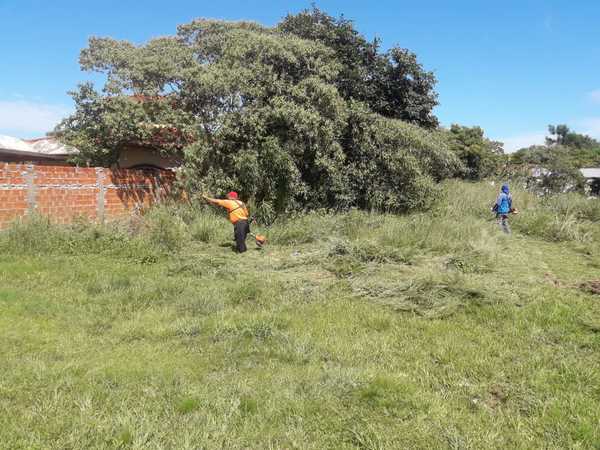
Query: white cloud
27 118
514 143
594 96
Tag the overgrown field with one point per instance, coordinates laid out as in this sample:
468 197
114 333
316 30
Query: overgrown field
348 330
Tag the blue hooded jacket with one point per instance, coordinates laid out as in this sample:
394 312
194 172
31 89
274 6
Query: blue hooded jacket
504 201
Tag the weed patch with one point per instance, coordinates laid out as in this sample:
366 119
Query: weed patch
188 405
349 330
431 296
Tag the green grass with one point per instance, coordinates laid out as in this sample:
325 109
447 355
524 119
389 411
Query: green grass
349 331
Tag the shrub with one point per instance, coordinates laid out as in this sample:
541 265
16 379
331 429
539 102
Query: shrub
551 226
164 230
144 238
573 204
393 166
38 235
206 226
301 228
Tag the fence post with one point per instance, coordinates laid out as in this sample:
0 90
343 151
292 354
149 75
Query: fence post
100 177
31 189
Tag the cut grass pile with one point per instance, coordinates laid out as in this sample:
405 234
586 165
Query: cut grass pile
349 330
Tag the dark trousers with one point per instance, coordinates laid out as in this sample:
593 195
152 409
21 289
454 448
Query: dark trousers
240 231
503 223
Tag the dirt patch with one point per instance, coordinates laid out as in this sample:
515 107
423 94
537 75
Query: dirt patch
550 278
492 399
591 287
497 396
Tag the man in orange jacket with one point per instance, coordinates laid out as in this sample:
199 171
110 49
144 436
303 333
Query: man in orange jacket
238 216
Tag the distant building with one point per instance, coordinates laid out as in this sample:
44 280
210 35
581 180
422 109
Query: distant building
592 178
45 150
49 151
590 173
538 172
135 156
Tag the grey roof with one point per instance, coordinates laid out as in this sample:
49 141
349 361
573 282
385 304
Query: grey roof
21 156
590 172
50 146
11 143
45 148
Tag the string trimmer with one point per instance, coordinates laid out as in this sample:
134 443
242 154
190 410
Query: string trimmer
260 239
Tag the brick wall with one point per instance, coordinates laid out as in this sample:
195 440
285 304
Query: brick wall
64 192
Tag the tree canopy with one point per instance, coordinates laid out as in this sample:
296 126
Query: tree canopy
561 158
562 135
277 113
480 156
391 83
564 147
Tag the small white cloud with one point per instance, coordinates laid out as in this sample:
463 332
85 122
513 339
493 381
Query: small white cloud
514 143
29 118
594 96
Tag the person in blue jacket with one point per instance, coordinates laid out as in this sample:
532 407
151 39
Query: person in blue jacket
503 208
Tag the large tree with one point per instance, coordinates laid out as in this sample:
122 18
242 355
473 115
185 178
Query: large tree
481 157
256 109
391 83
562 135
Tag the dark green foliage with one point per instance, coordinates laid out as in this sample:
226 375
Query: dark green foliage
393 166
271 112
392 84
480 156
546 156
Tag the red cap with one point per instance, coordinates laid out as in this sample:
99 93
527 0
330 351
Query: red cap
232 195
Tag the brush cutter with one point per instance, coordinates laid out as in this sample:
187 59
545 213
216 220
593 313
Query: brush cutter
259 239
494 209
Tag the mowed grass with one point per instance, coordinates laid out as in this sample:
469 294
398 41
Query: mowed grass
349 330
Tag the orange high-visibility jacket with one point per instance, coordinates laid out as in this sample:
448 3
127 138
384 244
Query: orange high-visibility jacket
236 209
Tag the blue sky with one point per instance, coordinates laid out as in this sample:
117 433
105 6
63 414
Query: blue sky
511 67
